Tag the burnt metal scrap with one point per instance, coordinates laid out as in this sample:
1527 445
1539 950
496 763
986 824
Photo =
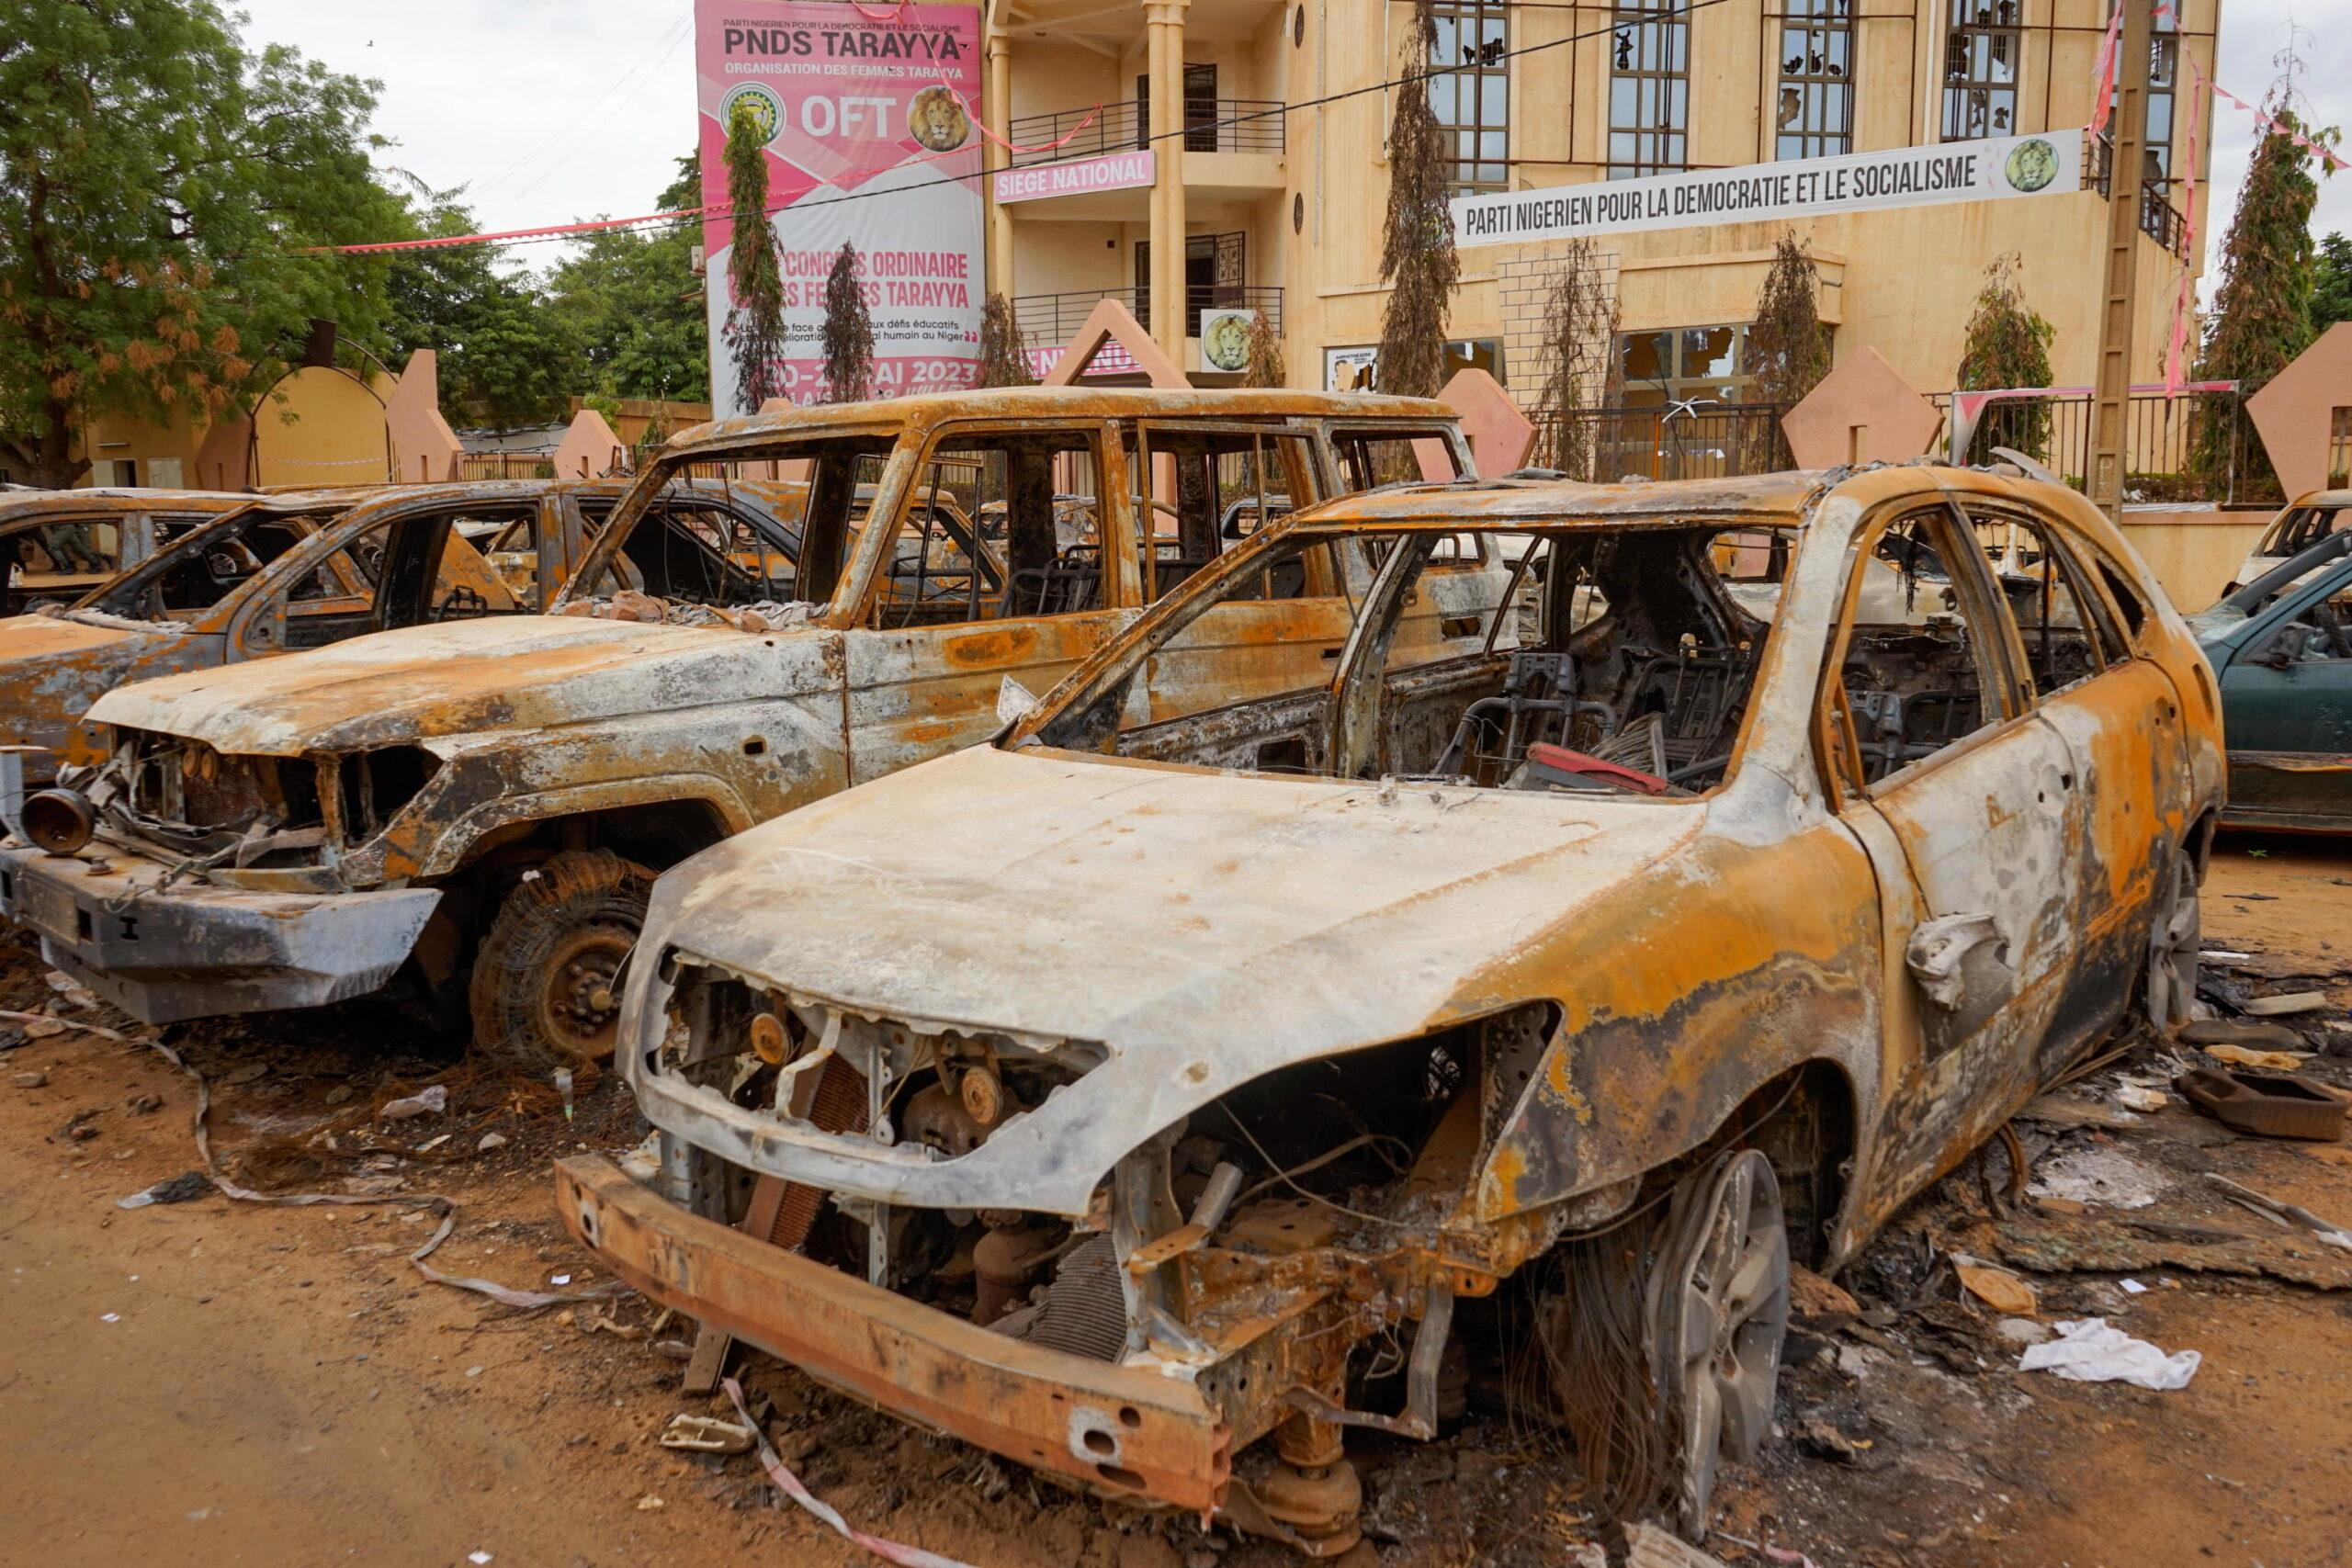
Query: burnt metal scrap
1191 1069
781 606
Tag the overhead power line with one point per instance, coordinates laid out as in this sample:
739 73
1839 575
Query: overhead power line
514 238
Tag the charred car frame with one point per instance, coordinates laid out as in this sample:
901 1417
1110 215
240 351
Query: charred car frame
1157 1080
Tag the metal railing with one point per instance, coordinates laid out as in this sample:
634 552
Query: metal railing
1046 318
1211 125
2171 449
1668 441
2159 219
506 465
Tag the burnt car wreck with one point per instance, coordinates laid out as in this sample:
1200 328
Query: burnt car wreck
1180 1080
475 801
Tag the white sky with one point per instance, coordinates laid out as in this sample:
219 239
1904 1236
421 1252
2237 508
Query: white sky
552 110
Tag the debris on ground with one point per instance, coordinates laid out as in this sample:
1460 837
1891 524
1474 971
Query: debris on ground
2087 1350
430 1101
2093 1174
2266 1104
185 1188
706 1435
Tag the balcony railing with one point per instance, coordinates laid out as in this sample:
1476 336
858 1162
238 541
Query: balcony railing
1211 125
1668 441
1055 318
2159 219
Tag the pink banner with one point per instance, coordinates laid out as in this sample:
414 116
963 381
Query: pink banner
869 143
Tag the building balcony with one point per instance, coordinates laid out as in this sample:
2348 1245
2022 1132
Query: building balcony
1233 150
2159 219
1056 318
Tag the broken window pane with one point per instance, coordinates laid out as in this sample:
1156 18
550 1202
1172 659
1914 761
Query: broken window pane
1914 670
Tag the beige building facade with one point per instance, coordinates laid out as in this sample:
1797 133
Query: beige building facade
1244 206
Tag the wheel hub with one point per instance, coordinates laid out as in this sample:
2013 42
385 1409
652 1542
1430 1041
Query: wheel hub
579 1002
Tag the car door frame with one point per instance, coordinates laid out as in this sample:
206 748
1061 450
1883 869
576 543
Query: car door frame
875 660
1949 1073
265 606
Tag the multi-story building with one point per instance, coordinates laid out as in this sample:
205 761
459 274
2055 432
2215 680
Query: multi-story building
1243 205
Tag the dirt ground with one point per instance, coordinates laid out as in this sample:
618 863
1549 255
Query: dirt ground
211 1383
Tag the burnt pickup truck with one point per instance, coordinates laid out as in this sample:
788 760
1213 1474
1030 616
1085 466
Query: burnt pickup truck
486 801
299 570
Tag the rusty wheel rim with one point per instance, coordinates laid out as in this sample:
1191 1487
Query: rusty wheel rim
1723 1306
579 999
2174 944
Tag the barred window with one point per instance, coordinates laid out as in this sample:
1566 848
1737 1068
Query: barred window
2163 73
1649 90
1472 100
1984 46
1814 115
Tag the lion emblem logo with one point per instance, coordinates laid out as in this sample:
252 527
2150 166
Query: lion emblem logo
936 119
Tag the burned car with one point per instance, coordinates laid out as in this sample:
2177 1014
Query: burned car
301 570
2300 523
484 800
2282 648
57 544
1169 1075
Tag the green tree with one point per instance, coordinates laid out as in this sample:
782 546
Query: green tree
2262 310
508 355
2006 344
1416 255
755 330
634 303
849 332
1004 360
161 192
2331 286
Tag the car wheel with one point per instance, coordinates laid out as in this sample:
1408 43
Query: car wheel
1717 1302
546 980
2173 947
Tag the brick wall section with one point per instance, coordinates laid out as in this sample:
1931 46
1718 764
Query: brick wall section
1525 279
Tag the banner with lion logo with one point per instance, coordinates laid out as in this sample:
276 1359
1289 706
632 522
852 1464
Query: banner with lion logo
868 113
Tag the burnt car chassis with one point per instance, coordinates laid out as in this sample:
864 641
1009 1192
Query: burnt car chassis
1113 1101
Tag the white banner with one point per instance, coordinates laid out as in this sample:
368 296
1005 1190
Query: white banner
1997 168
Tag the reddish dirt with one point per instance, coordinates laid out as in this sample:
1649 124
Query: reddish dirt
214 1383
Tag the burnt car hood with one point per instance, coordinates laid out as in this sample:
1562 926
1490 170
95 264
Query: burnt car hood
458 678
1203 926
52 669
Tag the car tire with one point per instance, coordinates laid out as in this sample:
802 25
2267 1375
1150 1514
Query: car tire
1717 1304
547 978
2168 993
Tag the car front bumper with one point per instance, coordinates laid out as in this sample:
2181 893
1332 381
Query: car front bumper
164 952
1120 1431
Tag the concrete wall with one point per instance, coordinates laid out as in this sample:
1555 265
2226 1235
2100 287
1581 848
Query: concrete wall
322 426
2196 555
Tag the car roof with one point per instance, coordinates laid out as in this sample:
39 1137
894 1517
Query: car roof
1532 498
2320 498
923 409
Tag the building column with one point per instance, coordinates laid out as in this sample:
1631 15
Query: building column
996 112
1164 56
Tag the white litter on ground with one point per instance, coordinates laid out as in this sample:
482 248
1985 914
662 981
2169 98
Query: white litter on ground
2087 1350
2094 1175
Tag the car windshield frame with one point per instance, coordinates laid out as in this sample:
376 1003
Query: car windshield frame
1123 659
148 571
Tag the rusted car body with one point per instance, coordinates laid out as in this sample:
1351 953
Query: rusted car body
491 798
1160 1078
293 571
2300 523
57 544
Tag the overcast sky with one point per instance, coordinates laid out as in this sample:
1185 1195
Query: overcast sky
551 110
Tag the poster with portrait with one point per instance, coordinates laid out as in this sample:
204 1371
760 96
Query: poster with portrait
869 113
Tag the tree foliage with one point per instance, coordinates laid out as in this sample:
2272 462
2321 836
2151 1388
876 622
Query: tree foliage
1581 318
1004 359
508 355
1264 367
2262 310
2332 283
160 191
849 331
634 304
755 330
1788 346
1416 255
2006 344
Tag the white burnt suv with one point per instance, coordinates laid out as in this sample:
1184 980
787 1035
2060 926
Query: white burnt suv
484 803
